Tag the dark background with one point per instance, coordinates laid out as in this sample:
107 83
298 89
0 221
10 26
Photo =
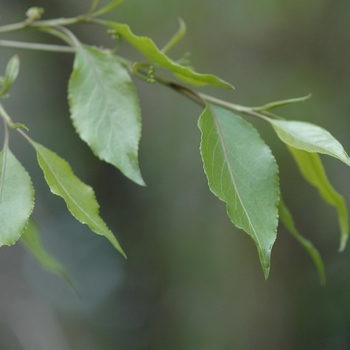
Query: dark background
191 281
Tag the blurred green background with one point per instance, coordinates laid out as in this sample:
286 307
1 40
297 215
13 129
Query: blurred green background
191 281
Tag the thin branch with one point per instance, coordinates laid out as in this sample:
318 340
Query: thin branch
4 156
5 116
37 46
59 22
57 33
55 27
176 38
44 23
228 105
13 27
71 37
234 107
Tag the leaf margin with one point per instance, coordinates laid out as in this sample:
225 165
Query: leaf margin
264 252
103 230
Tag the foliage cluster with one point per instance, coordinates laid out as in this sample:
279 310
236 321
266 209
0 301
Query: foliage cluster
240 168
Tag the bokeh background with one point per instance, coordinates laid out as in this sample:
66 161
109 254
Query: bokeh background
191 281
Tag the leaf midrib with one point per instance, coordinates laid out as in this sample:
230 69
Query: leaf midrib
104 96
221 137
65 191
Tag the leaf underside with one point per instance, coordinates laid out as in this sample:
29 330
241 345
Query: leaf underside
105 109
31 239
243 173
79 197
311 168
287 219
17 200
310 138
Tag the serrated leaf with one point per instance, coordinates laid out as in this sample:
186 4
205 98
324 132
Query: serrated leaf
11 74
79 197
311 168
16 201
287 219
309 137
148 48
243 173
105 109
31 239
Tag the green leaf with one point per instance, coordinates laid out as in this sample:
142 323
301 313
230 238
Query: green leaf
105 109
11 74
17 199
32 241
309 137
288 222
243 173
79 197
148 48
19 126
311 168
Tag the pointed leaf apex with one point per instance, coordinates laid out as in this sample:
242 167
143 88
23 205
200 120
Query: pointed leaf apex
231 169
265 260
343 242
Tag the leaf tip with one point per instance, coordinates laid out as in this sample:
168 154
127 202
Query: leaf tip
136 177
343 242
266 272
265 260
121 251
141 182
116 245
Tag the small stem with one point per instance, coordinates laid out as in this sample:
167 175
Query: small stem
5 116
234 107
9 121
4 156
184 90
67 34
106 8
45 23
25 136
36 46
59 22
225 104
92 8
270 115
57 33
12 27
189 93
176 38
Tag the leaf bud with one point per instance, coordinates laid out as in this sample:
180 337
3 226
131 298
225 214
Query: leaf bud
150 75
34 13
